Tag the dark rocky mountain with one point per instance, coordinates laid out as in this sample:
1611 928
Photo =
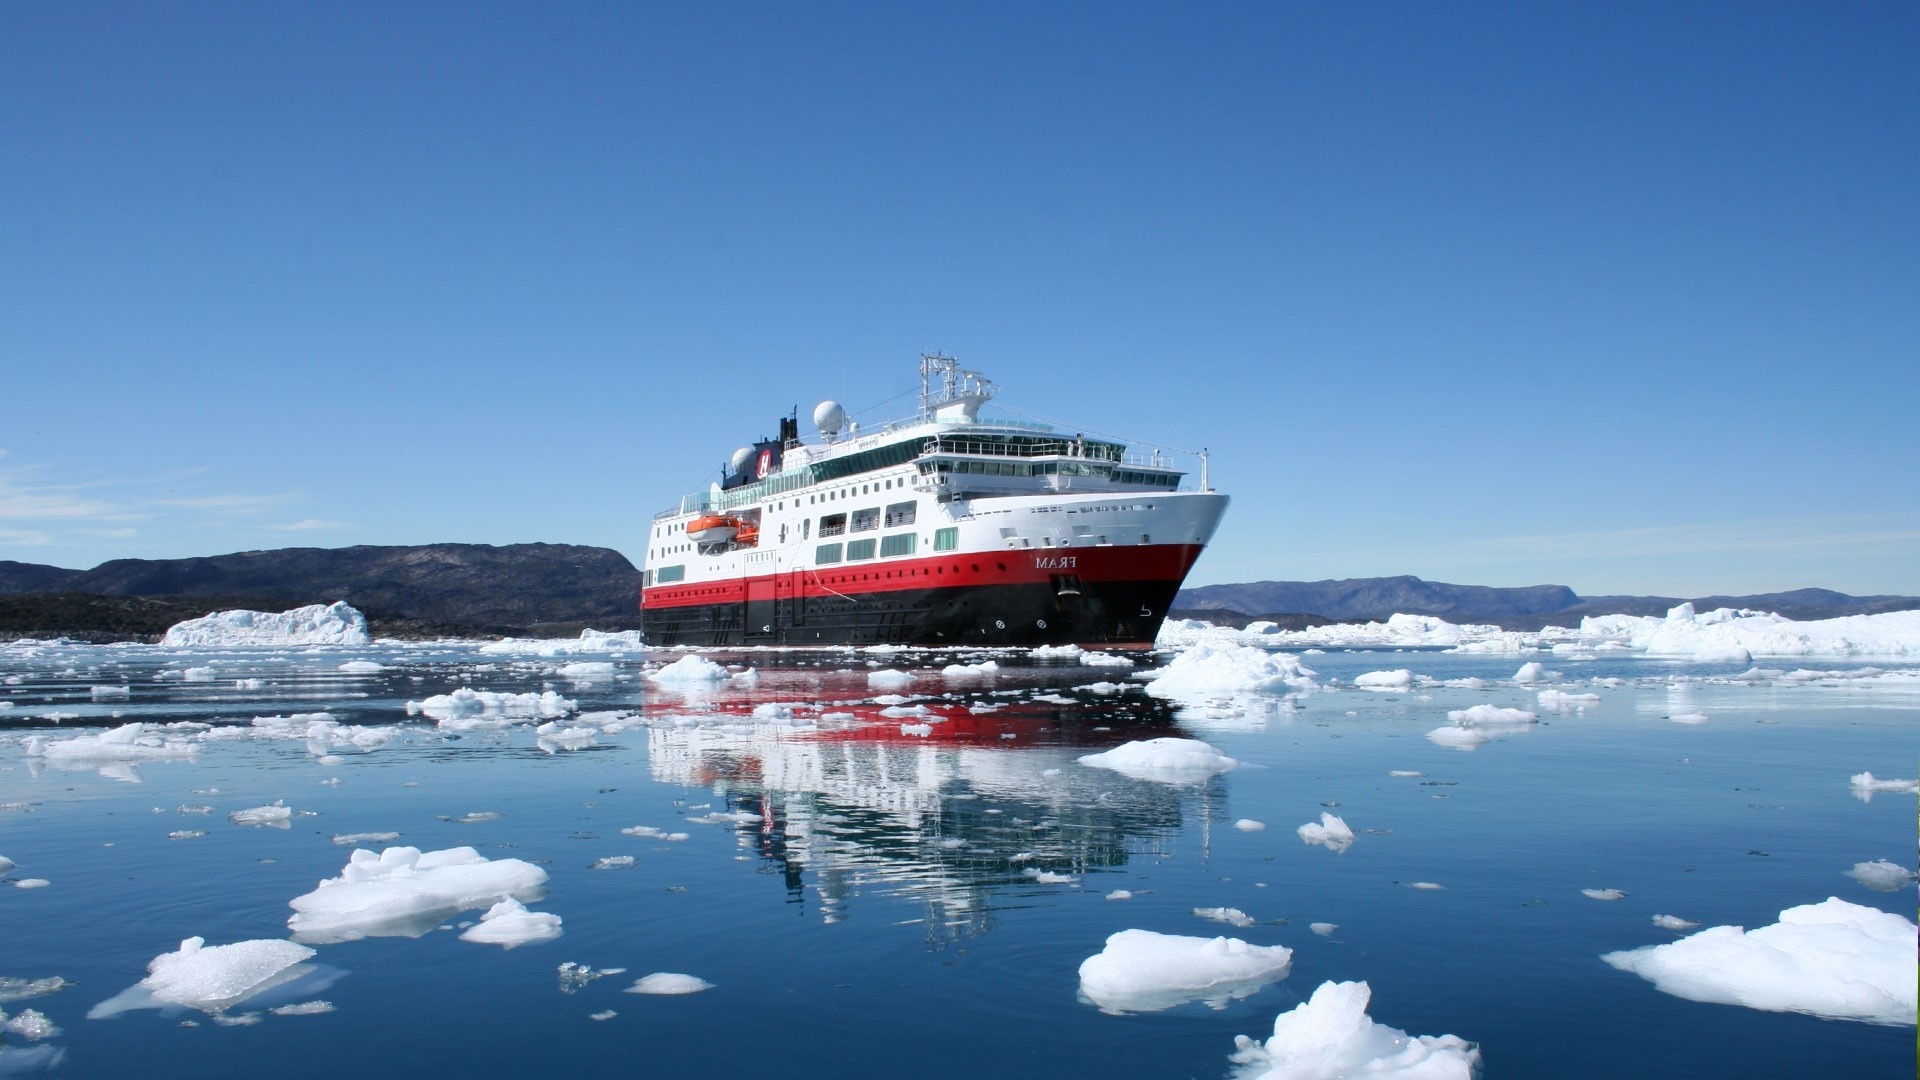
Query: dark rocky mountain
426 590
1527 608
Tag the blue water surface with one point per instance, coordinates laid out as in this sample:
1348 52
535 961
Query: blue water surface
870 911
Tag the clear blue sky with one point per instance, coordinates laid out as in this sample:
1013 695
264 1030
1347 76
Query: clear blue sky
1619 296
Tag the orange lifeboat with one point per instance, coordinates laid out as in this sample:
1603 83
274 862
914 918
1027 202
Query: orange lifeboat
713 529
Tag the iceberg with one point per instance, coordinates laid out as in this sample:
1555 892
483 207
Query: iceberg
1330 1035
403 892
315 624
1833 959
1144 971
1168 759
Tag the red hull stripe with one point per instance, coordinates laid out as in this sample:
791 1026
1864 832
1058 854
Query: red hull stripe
1024 566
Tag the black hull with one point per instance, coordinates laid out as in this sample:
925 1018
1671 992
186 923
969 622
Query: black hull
1112 613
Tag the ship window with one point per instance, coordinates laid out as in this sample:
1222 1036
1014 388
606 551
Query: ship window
897 544
867 519
670 573
859 549
901 514
826 553
833 525
946 539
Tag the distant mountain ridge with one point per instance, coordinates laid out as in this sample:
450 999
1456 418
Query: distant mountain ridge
421 590
1525 608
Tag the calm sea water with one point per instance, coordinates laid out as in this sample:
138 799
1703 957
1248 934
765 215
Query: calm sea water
870 914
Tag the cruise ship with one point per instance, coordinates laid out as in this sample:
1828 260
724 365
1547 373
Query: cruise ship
945 529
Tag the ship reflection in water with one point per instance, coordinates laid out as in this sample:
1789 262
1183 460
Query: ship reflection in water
965 795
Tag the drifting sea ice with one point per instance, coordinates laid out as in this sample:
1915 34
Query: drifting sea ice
1400 679
509 923
1206 670
402 892
1231 916
1167 759
1866 781
277 815
669 982
690 669
129 742
1330 832
1144 971
1881 875
468 709
1330 1035
209 978
1833 959
315 624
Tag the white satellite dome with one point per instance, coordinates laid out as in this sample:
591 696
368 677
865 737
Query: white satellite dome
828 416
740 458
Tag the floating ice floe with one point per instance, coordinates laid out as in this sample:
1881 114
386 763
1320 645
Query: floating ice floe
30 1024
984 667
1674 922
1231 916
1881 875
1330 1035
130 742
888 677
690 669
1399 679
1472 727
363 667
586 671
1324 929
467 709
1168 759
1866 781
277 815
315 624
1329 832
669 982
1144 971
1603 894
403 892
1205 670
211 978
1736 636
1833 959
1249 825
509 923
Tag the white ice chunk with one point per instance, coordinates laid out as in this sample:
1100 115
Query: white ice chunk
1229 915
669 982
468 709
509 923
1833 959
1866 781
690 669
1331 832
1331 1036
129 742
1168 759
315 624
1209 669
1881 875
1249 825
1143 971
277 814
1384 680
401 891
210 978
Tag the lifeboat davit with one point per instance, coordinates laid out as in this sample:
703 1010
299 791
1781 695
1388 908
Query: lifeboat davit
713 529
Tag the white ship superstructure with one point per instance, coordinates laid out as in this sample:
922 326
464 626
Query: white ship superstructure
946 529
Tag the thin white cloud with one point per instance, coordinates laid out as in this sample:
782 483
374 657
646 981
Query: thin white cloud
225 504
308 525
24 537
